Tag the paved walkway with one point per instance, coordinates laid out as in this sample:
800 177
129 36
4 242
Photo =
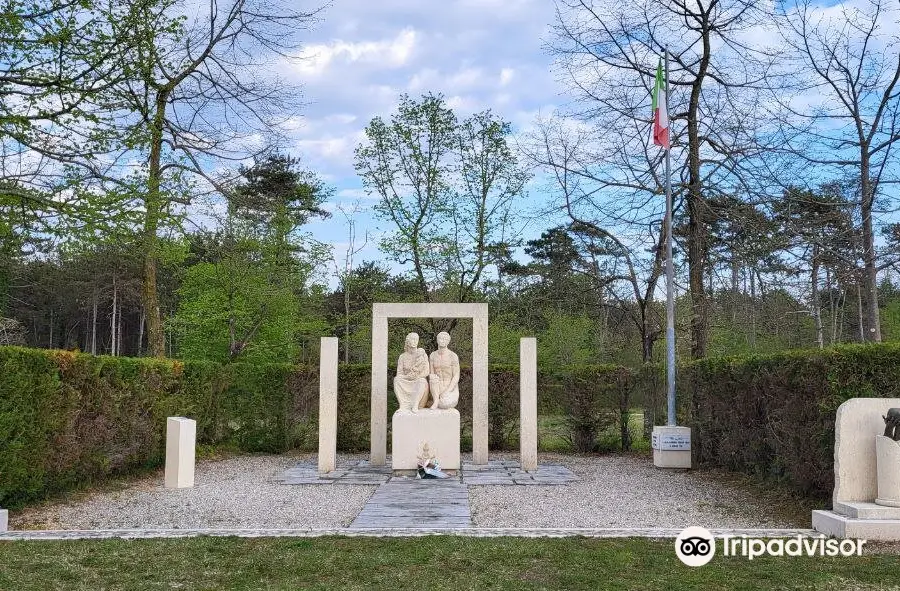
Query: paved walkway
413 503
495 472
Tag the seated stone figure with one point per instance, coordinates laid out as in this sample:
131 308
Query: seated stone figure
411 381
444 378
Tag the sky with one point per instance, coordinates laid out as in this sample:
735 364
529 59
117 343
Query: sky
363 54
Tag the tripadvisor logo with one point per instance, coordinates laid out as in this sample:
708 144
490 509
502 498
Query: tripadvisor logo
696 546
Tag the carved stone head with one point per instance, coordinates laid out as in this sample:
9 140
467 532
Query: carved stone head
412 341
443 339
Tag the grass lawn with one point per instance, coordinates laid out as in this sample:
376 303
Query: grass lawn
413 563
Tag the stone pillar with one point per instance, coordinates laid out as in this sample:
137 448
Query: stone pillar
4 520
528 403
480 389
181 443
378 432
328 393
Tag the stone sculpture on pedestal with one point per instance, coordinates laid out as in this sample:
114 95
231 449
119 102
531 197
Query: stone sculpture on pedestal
415 427
411 382
444 378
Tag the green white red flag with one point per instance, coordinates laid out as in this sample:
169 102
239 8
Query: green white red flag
660 109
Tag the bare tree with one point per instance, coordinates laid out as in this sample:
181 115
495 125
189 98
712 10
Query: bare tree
344 271
608 52
607 259
198 92
849 120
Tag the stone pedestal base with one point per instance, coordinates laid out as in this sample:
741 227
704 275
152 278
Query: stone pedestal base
887 464
439 428
672 447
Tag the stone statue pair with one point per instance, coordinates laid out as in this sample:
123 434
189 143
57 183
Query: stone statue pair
419 375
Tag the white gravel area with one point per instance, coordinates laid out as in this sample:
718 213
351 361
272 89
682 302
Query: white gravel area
622 491
236 492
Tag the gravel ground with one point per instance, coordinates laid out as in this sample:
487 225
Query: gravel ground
231 493
614 491
622 491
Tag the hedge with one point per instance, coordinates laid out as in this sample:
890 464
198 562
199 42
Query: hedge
773 415
69 418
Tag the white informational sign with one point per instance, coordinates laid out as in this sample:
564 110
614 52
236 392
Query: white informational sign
671 442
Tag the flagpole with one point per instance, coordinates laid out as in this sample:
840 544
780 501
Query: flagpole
670 276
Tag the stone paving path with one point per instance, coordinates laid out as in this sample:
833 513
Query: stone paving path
508 472
353 472
406 502
414 503
495 472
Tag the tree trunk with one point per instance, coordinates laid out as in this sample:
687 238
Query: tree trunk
112 320
94 325
870 279
752 310
347 319
859 309
816 308
697 213
152 210
140 340
831 310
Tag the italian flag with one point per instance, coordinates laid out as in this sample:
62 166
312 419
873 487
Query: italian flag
660 110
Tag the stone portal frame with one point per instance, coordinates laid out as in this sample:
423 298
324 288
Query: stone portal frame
380 315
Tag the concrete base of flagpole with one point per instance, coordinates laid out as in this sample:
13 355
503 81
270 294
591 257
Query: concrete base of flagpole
671 447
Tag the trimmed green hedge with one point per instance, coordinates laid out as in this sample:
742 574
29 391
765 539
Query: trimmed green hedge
773 415
70 418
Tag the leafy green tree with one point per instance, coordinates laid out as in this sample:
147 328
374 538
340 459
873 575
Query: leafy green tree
448 188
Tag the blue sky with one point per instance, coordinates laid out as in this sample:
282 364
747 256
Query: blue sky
363 54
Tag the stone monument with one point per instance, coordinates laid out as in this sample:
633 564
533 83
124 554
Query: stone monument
414 426
866 473
381 313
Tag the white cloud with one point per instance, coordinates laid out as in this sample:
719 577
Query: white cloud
315 60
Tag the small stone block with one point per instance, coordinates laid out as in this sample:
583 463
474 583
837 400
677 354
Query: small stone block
181 444
439 428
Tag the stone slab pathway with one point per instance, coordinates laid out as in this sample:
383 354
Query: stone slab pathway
509 472
354 472
411 503
495 472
